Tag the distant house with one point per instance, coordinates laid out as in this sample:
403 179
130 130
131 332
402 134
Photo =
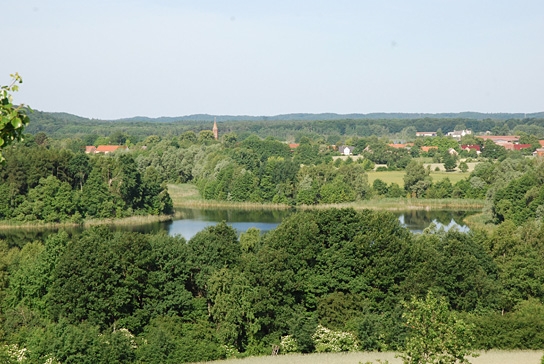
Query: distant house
500 138
458 134
401 145
426 133
90 149
104 149
426 149
346 150
516 146
541 143
293 146
452 151
468 148
539 152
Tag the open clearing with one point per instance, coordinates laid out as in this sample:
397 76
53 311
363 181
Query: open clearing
486 357
398 176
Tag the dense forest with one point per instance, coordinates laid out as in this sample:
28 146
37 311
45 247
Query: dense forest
323 280
121 297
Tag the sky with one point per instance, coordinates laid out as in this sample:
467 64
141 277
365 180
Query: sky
110 59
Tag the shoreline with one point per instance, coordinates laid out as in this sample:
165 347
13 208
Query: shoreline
124 221
187 196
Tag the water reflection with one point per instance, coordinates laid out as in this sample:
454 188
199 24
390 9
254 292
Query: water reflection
418 220
194 220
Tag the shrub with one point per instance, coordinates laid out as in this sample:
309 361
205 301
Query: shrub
329 341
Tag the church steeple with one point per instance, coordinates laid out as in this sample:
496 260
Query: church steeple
215 130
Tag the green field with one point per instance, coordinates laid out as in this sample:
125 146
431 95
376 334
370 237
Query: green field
187 195
486 357
398 176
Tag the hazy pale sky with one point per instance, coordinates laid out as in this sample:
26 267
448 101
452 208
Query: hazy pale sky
118 58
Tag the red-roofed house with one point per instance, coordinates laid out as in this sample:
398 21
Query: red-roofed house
500 138
108 148
468 148
426 149
401 146
90 149
293 146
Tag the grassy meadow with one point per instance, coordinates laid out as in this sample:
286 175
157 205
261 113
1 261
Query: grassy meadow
187 195
486 357
398 176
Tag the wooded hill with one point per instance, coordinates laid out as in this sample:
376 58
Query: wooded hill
285 127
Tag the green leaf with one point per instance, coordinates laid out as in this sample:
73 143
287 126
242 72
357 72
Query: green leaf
17 123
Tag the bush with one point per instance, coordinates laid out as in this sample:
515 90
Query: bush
329 341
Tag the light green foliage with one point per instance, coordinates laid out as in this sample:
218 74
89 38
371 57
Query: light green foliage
250 240
323 340
206 136
13 119
231 294
415 172
330 341
288 344
435 334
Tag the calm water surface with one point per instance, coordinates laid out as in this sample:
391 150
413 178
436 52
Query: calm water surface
194 220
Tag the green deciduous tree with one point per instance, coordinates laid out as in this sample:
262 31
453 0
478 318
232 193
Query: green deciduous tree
415 172
13 119
436 335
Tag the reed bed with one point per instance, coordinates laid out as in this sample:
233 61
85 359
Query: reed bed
125 221
480 222
405 204
131 220
35 225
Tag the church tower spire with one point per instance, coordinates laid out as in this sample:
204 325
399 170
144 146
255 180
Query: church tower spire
215 130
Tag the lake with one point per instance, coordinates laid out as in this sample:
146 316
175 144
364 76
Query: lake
194 220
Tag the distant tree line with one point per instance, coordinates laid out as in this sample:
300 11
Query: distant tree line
61 125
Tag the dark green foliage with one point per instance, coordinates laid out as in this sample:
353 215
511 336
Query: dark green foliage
492 150
102 278
303 326
50 185
450 162
80 343
74 297
440 189
521 329
168 340
211 249
520 199
414 174
456 266
380 187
